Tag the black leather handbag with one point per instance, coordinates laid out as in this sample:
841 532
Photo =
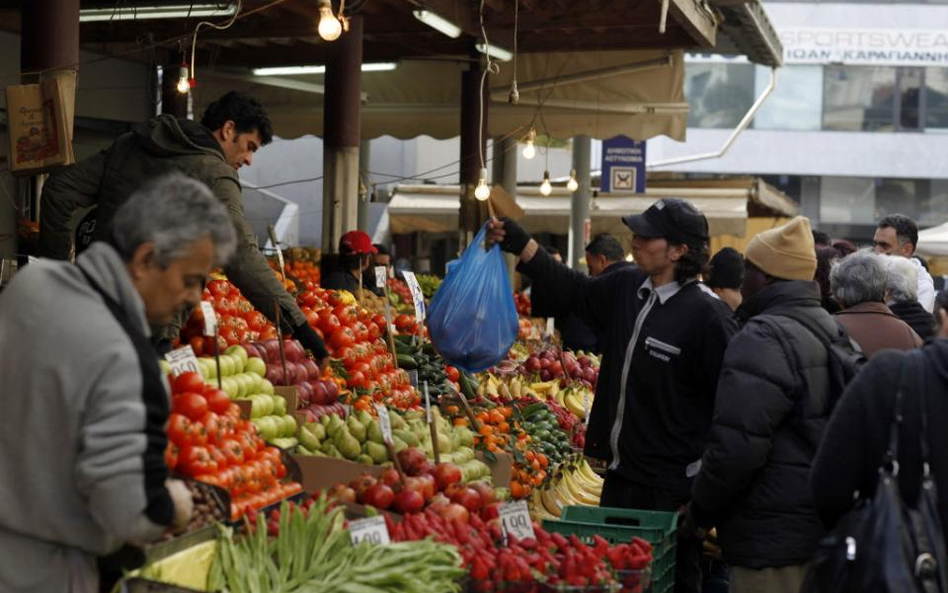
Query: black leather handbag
883 546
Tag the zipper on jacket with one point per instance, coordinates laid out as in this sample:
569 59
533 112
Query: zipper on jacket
623 385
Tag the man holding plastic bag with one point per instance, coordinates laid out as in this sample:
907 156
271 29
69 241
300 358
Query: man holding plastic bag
663 341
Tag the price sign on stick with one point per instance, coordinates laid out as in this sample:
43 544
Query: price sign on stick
427 402
371 529
586 407
515 520
182 360
380 276
416 296
384 423
210 319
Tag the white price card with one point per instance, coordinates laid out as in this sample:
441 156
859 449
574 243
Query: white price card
384 423
380 276
515 520
371 529
586 407
210 319
416 296
550 326
182 360
427 403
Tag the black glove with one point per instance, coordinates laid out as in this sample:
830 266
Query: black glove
515 238
311 341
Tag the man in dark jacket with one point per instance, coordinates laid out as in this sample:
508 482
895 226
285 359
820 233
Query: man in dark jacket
355 261
232 129
663 341
773 401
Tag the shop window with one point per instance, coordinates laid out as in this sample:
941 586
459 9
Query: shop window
936 99
910 85
859 98
797 101
719 94
935 210
847 200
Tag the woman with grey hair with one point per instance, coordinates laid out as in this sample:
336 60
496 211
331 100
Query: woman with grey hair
858 283
901 290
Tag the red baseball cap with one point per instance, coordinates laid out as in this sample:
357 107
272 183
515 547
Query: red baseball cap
356 242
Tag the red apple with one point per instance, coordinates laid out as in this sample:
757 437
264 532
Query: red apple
252 350
455 512
319 393
491 511
380 496
409 501
275 374
361 484
272 348
488 495
438 502
304 393
389 476
446 474
468 498
312 369
428 486
413 461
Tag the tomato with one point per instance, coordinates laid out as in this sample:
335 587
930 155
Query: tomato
403 322
214 427
243 307
452 373
379 320
361 331
341 337
334 299
193 461
217 401
188 382
192 405
233 450
178 429
328 322
218 288
347 315
361 367
196 435
257 321
197 344
356 380
171 456
233 410
213 479
375 331
229 335
312 318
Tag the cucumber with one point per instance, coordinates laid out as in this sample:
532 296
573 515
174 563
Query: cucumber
406 362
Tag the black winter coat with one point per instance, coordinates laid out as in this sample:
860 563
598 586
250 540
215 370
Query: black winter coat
772 406
915 315
857 435
669 398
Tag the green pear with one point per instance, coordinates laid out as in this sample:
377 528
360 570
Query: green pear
346 443
309 438
444 443
364 459
363 417
377 452
397 421
318 430
374 432
324 420
408 437
356 428
398 444
335 424
466 437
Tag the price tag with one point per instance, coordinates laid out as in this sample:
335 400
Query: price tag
413 378
210 319
586 407
515 520
182 360
380 276
347 410
427 403
388 317
372 530
416 296
276 246
384 423
550 326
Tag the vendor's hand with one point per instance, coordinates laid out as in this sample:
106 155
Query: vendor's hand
508 233
687 528
183 504
312 342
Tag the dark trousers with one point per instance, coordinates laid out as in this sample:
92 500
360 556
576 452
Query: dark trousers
618 492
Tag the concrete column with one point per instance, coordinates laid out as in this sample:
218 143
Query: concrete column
505 174
810 199
473 143
365 156
173 102
579 206
342 127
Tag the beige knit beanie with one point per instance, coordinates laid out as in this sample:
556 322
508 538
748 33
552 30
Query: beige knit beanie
785 252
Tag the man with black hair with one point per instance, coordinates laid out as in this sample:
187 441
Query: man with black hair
231 131
663 342
897 234
355 253
603 251
382 256
726 276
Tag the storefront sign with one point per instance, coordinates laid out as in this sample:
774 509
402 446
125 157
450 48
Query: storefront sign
809 45
623 165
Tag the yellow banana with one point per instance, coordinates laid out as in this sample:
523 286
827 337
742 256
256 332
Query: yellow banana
587 472
516 388
575 405
551 502
578 493
560 396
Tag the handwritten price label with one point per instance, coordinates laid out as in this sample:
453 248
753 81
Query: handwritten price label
372 530
586 407
210 319
416 296
515 520
182 360
380 276
427 403
384 423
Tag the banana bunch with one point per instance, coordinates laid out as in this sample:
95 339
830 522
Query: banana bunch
516 387
575 485
574 399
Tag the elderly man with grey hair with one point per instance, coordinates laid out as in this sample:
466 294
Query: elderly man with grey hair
901 296
858 283
86 401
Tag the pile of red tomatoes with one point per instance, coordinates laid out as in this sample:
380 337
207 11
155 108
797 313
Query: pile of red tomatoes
237 320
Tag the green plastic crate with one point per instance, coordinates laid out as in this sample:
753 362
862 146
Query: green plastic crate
619 526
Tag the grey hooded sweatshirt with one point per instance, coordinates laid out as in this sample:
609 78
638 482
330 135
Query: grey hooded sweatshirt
81 432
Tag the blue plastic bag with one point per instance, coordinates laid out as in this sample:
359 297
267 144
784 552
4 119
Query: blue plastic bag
472 319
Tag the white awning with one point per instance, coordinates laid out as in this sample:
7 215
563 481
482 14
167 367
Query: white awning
933 241
434 208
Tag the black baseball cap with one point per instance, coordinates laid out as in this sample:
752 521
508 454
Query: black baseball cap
673 219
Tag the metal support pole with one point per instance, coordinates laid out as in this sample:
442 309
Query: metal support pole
342 128
473 141
505 174
579 206
173 102
365 188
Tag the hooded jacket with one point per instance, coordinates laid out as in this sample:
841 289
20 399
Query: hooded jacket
772 405
857 436
82 428
652 429
153 148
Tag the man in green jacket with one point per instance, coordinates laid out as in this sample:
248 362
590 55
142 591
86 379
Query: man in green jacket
232 129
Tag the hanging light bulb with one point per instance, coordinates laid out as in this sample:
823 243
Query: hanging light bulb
329 26
545 187
572 184
530 151
482 191
184 85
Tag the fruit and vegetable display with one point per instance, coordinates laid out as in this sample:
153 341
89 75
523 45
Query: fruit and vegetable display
237 320
422 358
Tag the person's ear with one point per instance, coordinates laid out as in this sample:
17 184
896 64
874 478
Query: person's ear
907 249
142 260
228 130
678 252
